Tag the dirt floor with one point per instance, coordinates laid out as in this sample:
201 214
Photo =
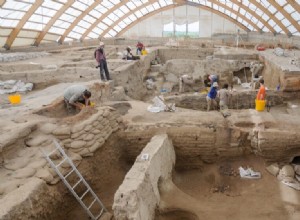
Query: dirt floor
213 194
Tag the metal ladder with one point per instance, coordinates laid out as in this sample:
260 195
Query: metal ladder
65 158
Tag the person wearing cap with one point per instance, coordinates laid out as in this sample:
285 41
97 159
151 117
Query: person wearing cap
100 57
76 97
211 97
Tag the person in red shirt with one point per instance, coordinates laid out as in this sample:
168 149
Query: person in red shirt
139 48
261 95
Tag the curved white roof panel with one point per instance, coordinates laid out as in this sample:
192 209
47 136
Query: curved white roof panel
61 20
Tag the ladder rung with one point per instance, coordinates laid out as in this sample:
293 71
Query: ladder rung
61 162
84 193
76 184
92 204
100 214
66 176
52 151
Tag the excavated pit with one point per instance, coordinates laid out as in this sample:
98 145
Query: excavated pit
202 180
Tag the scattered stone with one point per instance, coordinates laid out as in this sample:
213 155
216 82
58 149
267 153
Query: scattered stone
48 128
37 164
62 131
78 144
286 171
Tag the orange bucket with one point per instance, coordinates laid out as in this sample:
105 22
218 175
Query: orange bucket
260 105
14 99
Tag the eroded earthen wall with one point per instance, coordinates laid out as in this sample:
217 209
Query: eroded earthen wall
138 196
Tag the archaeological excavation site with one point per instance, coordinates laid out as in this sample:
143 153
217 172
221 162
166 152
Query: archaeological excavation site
150 110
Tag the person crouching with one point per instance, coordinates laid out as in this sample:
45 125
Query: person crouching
76 97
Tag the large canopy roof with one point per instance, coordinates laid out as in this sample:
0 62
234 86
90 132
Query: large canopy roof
59 20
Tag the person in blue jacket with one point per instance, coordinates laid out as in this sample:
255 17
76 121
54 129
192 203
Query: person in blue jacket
211 97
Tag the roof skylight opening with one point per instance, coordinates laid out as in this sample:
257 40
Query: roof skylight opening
18 6
296 16
102 25
56 30
156 6
45 12
79 30
260 25
235 7
122 24
281 2
67 18
78 5
84 24
33 26
93 35
89 19
132 17
272 23
279 16
107 4
138 14
162 3
144 11
74 35
112 33
73 12
286 22
150 8
8 14
277 29
124 9
131 6
117 28
107 21
272 9
102 9
289 8
52 4
242 11
265 17
119 13
138 3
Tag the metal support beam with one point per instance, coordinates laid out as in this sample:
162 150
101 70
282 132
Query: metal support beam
14 33
52 21
78 19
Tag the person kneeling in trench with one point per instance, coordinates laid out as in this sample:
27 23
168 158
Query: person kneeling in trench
77 97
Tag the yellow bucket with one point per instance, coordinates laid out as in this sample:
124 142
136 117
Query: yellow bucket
260 105
14 99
